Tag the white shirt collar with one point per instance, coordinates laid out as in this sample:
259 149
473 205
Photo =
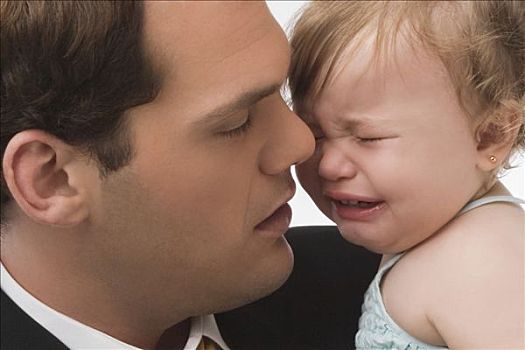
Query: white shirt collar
76 335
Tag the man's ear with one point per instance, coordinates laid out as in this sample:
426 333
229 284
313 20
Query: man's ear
497 135
44 176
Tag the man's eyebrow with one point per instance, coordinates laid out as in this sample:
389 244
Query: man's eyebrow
244 101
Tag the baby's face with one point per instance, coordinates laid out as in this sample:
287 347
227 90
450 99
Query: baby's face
395 156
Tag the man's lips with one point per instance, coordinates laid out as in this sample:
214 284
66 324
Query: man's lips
278 221
276 224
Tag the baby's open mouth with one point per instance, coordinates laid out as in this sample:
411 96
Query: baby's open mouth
358 204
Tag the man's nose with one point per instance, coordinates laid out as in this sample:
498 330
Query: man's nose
290 142
335 164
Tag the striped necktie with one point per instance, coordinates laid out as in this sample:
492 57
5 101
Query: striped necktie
207 344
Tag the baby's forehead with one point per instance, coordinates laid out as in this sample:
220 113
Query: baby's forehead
400 52
368 50
363 80
367 64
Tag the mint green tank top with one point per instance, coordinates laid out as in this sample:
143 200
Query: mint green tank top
377 330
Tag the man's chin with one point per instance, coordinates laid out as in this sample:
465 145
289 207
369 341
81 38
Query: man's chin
259 286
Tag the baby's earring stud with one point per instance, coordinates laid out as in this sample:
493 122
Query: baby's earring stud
493 159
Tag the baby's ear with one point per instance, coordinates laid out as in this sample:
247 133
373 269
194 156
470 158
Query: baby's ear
47 178
498 134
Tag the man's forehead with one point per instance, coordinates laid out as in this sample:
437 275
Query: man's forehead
196 42
204 30
213 52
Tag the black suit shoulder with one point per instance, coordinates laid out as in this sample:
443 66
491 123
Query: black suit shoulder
19 331
318 307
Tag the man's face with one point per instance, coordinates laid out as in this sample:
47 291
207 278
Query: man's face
181 225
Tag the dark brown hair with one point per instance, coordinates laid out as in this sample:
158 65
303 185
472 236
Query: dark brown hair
72 68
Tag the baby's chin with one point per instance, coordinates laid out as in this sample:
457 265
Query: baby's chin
357 239
374 241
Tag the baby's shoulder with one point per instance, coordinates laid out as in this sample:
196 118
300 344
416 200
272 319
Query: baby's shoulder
488 242
493 233
475 266
471 269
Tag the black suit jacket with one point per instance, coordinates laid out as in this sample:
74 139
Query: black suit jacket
317 308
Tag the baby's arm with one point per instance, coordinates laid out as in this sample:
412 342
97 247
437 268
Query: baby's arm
481 303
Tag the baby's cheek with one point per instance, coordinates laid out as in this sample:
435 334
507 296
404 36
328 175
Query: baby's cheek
308 175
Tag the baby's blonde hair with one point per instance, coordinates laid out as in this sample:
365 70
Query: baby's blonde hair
481 44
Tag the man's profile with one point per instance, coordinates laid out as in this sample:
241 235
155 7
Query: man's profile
146 155
129 219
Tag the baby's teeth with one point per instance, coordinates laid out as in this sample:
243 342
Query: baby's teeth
354 203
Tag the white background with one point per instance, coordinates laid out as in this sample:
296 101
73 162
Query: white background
304 211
